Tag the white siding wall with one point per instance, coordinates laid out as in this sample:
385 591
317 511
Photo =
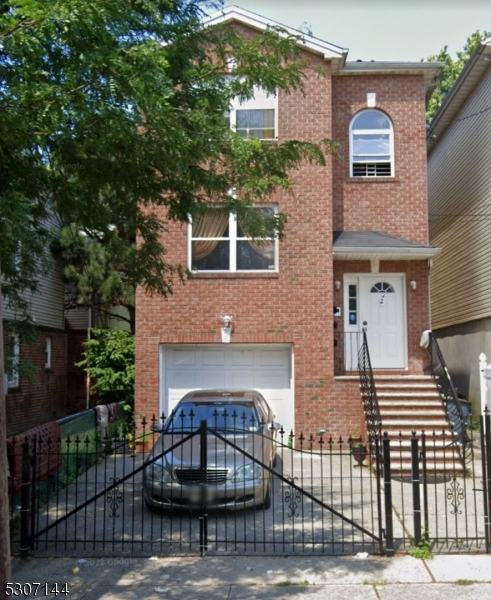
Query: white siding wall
459 187
47 304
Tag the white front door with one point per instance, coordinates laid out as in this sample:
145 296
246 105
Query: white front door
376 303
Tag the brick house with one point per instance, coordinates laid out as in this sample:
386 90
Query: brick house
355 254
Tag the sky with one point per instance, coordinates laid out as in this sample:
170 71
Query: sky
382 30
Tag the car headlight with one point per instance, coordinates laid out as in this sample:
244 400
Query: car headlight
158 473
247 473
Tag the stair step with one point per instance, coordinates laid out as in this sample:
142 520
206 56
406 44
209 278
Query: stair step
402 395
409 413
410 405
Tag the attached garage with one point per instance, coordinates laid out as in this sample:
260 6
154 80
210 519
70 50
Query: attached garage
265 367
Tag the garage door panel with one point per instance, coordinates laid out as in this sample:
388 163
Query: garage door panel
242 358
213 380
213 358
272 358
275 381
183 380
183 358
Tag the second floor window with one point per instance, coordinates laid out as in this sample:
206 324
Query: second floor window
256 117
218 242
371 145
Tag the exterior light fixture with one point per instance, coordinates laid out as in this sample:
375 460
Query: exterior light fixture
413 284
337 284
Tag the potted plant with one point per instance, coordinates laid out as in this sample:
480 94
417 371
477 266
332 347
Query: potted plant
358 448
143 443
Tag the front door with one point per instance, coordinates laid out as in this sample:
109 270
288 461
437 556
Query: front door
380 309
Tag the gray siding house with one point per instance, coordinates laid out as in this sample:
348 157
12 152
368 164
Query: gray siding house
459 197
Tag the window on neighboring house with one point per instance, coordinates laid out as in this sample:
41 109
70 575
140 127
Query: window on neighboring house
47 361
371 145
219 243
12 364
256 117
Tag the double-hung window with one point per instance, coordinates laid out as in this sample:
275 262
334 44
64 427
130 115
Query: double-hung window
371 145
256 117
13 354
218 242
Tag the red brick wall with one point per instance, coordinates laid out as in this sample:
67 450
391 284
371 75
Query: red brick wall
42 399
295 305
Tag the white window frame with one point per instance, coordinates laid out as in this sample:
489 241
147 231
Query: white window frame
232 239
14 358
389 131
261 101
49 345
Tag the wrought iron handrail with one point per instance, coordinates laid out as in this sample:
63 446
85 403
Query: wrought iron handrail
369 394
455 412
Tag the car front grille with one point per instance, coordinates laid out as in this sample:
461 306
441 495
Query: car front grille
190 476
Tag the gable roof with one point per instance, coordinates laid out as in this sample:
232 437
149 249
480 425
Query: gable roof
334 54
474 70
367 245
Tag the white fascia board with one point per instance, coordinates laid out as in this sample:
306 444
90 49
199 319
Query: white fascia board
350 253
235 13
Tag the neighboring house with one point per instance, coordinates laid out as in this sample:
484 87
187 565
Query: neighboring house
459 193
40 397
355 254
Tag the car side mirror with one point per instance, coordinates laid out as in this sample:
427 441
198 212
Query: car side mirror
157 428
274 426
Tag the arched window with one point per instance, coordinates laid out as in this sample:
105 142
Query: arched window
371 145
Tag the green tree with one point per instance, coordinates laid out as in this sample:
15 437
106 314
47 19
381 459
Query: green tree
110 108
109 361
452 69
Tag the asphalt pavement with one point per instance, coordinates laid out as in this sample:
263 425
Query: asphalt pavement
361 577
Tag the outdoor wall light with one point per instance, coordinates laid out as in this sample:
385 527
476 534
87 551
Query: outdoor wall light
337 285
413 284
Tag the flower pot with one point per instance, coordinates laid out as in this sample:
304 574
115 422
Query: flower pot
359 453
143 446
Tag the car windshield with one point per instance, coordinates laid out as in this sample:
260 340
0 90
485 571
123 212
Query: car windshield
226 416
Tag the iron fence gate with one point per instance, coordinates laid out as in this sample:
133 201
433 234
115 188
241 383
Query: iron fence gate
310 499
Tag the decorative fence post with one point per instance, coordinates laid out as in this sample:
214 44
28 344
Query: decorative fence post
389 527
483 363
416 488
203 518
24 500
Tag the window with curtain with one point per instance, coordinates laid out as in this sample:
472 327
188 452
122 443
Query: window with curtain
255 117
371 145
220 243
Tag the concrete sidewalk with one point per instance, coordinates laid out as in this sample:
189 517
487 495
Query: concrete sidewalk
462 577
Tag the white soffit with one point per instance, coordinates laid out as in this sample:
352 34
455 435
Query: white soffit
371 253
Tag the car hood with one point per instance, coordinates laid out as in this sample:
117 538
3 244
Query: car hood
219 453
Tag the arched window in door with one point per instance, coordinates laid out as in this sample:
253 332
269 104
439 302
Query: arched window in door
382 288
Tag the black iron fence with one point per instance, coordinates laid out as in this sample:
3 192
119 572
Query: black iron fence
218 491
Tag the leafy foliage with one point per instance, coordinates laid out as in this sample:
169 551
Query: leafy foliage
451 71
109 360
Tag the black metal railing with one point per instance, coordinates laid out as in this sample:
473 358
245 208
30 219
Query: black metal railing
369 394
456 413
352 341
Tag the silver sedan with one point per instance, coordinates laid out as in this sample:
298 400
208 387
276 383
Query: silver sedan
230 471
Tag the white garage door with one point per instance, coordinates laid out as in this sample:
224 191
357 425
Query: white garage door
267 368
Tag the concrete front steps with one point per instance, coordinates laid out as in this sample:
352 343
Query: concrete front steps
412 403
